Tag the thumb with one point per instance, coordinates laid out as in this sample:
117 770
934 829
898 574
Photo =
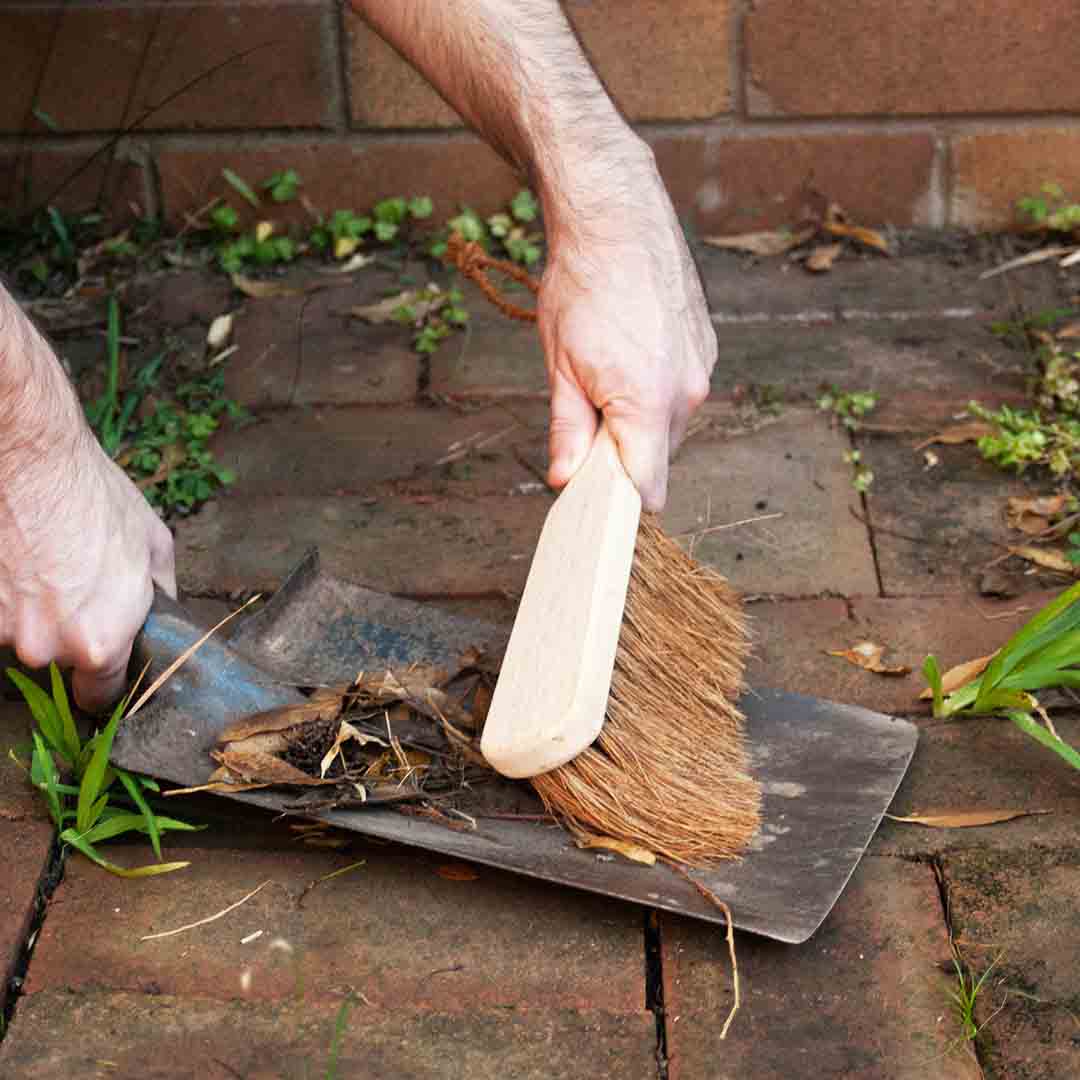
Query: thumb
644 449
574 421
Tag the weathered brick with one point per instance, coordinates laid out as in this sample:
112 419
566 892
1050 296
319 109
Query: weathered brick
658 61
25 38
419 545
992 170
394 929
939 529
866 996
367 450
728 183
793 467
26 836
113 65
384 90
167 1038
460 169
307 350
917 57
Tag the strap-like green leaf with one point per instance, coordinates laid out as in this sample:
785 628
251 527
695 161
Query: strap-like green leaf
136 794
70 836
44 712
93 781
63 710
1027 724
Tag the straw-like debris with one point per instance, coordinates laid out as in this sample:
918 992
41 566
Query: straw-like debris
669 770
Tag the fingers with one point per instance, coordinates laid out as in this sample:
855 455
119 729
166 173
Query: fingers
574 421
162 558
95 690
644 448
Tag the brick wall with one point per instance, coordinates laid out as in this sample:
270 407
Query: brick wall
925 112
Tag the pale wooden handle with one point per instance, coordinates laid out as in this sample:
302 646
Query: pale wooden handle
550 700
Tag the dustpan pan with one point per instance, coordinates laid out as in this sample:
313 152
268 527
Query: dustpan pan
828 771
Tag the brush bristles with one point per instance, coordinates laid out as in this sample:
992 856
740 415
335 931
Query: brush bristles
668 771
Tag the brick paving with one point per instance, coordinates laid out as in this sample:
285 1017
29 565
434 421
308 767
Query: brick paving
488 974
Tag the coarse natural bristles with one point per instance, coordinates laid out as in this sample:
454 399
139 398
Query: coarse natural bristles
668 771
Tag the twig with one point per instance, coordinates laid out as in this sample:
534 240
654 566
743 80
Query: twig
1032 257
208 919
698 533
326 877
1000 615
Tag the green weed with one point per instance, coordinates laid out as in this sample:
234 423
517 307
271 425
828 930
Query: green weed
966 995
848 407
164 450
1051 210
91 801
505 233
1043 654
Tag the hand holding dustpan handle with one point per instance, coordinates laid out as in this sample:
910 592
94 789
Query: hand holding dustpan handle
552 692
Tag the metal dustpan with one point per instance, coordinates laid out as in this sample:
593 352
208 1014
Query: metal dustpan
828 771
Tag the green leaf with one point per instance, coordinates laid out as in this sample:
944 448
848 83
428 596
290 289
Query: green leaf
421 207
1029 726
283 186
932 674
63 710
225 218
389 211
43 765
46 119
239 185
385 231
133 790
93 781
71 837
44 712
524 206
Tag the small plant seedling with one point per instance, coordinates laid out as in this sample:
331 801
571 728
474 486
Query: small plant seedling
92 801
283 186
848 406
966 995
1042 654
505 233
1051 210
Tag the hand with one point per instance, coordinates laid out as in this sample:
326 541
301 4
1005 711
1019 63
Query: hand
80 548
625 330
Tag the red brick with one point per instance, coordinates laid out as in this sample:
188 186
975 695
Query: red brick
75 180
384 90
110 63
26 836
916 57
420 545
367 450
166 1038
285 83
866 996
394 929
660 61
991 170
458 170
25 37
793 467
728 183
306 350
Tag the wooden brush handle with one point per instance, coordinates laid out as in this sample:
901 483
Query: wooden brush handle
553 687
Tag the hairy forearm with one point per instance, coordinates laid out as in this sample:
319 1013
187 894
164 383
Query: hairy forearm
38 409
514 71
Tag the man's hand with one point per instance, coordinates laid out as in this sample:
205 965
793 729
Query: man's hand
80 548
622 313
625 330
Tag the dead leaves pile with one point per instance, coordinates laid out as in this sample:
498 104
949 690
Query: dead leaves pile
816 245
410 735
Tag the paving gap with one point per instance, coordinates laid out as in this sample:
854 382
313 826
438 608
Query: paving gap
937 865
51 876
868 521
654 988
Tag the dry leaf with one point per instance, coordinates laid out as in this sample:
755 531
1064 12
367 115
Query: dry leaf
220 331
422 302
344 246
608 843
457 872
958 433
930 460
966 819
268 290
822 258
255 767
356 262
1047 558
345 732
322 705
868 654
776 242
959 676
860 234
1069 330
1032 516
263 231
